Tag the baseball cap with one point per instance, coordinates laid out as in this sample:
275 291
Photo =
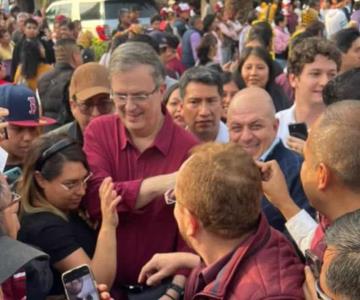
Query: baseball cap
24 108
14 255
88 80
169 40
183 7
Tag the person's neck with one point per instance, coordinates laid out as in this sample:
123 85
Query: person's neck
13 160
213 248
5 45
145 138
307 113
344 201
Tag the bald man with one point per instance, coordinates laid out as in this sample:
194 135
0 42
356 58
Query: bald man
252 123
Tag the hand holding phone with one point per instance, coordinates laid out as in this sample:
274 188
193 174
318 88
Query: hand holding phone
298 130
79 283
313 262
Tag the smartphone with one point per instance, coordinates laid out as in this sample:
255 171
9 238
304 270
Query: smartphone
298 130
79 283
12 175
313 262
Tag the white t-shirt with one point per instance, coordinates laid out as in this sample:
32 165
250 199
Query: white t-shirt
285 117
335 20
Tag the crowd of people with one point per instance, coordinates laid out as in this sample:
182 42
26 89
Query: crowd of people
208 155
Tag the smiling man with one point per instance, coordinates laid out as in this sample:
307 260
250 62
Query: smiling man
312 63
201 89
141 148
252 124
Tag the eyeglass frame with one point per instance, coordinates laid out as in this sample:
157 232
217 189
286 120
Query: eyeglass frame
145 96
15 198
81 105
81 183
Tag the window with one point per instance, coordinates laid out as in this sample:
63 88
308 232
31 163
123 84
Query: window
58 9
112 8
89 11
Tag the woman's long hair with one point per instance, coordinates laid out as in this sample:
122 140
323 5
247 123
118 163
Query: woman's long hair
207 42
29 189
30 58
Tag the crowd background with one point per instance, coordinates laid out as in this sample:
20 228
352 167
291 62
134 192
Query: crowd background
97 127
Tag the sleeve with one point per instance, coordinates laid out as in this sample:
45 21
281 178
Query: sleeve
56 238
101 164
195 40
302 229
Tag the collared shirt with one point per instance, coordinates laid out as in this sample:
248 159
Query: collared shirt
270 149
110 152
285 117
255 269
223 134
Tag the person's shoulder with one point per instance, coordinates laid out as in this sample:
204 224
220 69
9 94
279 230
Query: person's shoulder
284 113
289 161
184 136
108 121
34 224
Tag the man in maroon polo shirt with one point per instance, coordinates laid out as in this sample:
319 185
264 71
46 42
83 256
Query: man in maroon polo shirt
141 148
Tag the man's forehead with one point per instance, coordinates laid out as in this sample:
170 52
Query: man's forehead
201 89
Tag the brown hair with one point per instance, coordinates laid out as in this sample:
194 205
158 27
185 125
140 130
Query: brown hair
335 141
221 185
305 52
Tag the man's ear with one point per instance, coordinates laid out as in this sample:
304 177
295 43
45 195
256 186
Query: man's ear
293 80
193 223
324 176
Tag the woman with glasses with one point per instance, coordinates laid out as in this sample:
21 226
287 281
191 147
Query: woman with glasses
54 181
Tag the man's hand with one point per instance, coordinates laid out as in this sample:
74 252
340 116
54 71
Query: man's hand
309 285
296 144
275 188
164 265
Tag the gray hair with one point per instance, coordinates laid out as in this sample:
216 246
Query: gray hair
335 141
133 54
201 74
343 274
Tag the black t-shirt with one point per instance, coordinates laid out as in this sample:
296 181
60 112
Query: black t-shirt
58 238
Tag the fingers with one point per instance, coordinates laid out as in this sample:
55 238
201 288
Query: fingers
156 278
3 112
148 268
309 286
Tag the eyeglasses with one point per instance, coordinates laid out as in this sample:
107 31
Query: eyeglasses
15 198
121 98
169 197
104 106
319 292
76 184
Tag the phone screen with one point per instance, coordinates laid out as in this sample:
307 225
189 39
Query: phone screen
79 284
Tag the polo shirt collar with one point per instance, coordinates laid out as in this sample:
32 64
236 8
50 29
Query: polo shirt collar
162 140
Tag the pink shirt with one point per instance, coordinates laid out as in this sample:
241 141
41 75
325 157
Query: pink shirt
152 229
281 39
